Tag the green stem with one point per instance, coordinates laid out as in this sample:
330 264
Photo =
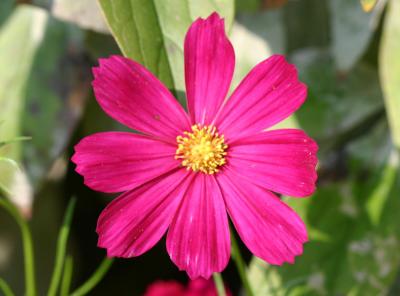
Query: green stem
96 277
241 266
29 261
5 288
219 284
61 248
67 276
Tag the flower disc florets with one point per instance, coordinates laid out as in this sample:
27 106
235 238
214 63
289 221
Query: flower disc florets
202 149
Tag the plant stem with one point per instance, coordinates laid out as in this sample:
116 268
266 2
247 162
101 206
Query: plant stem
240 265
67 276
96 277
61 248
29 261
5 288
219 284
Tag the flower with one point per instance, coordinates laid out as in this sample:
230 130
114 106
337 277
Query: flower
198 287
165 288
185 173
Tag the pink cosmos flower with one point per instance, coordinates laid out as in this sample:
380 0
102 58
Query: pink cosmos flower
165 288
197 287
186 172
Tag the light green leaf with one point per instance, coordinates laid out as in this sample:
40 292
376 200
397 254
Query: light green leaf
389 67
379 195
152 32
352 30
36 98
255 37
19 41
245 41
268 26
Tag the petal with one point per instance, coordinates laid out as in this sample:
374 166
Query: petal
131 94
165 288
283 161
268 94
198 239
118 161
209 65
269 228
135 221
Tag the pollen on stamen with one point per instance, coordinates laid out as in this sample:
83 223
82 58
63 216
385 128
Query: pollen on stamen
202 149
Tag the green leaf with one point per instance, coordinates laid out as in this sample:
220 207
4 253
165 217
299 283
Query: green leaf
54 98
5 288
100 45
339 104
379 195
370 151
36 98
348 253
247 5
6 7
352 30
268 26
152 32
20 38
307 24
245 41
389 67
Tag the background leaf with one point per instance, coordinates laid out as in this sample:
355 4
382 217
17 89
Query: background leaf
307 24
20 38
350 251
54 99
36 98
352 30
6 7
243 41
340 104
389 67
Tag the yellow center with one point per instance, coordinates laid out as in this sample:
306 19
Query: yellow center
202 150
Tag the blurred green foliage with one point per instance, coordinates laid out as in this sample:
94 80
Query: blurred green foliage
346 51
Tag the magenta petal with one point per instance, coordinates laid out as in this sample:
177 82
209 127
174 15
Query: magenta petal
268 227
131 94
209 65
198 239
135 221
268 94
283 161
118 161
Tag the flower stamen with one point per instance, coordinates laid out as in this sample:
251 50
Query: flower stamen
202 149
